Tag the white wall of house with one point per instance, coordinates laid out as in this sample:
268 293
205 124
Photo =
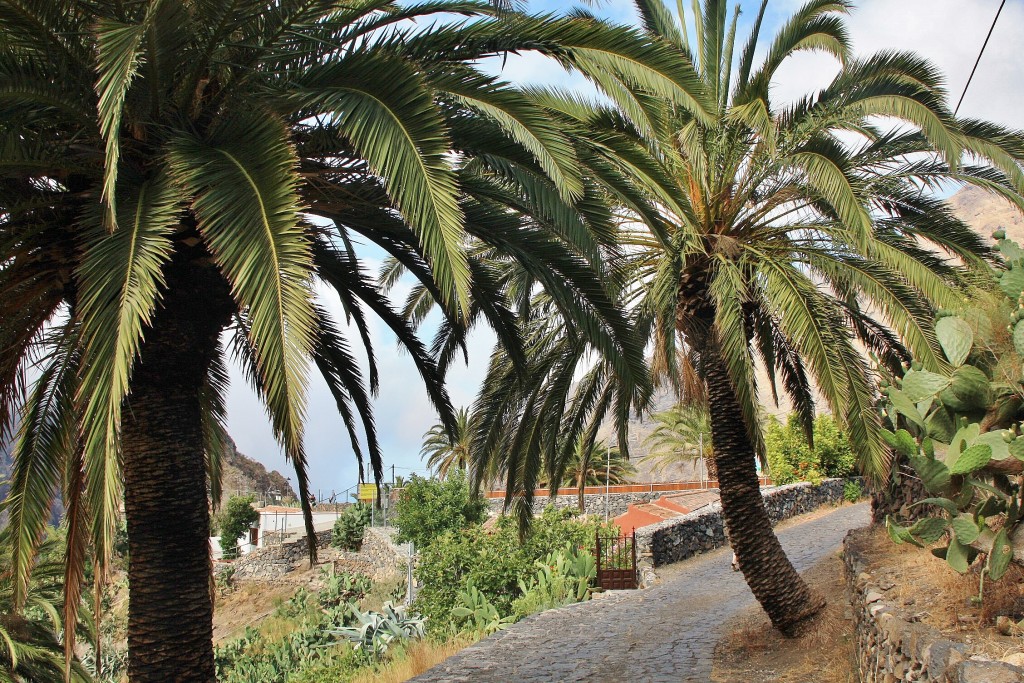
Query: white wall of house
276 520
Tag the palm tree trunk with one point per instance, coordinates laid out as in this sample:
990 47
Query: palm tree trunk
785 597
581 483
170 611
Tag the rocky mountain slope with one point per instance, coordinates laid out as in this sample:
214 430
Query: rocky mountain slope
242 474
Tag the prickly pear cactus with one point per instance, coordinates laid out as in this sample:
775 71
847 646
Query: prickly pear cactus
959 428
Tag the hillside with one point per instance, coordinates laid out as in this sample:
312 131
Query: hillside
242 474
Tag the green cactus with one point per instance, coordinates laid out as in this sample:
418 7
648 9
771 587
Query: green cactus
937 415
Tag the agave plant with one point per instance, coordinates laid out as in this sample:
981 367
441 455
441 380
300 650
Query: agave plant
477 614
378 631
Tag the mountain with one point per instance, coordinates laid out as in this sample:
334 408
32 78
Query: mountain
985 212
242 475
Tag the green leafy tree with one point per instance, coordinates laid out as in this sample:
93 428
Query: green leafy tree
427 508
792 458
446 450
162 161
233 521
790 235
350 528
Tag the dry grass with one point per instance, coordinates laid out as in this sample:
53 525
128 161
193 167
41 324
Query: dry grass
928 589
413 660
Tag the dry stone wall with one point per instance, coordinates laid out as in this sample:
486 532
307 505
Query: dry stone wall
380 556
677 539
892 647
382 552
593 503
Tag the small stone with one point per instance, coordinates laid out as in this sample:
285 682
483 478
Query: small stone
872 596
1014 658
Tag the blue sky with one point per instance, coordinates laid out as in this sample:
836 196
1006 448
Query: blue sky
949 32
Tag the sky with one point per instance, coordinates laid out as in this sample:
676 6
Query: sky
947 32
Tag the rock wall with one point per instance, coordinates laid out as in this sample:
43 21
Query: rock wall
892 647
380 550
677 539
274 561
593 503
379 557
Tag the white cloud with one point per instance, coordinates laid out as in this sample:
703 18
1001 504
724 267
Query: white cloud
947 32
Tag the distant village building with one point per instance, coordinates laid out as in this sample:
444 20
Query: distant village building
277 524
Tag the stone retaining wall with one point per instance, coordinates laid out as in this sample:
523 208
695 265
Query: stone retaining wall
379 557
677 539
892 646
593 503
381 551
273 561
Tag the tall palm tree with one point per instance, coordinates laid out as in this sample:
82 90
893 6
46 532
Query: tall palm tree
794 231
787 235
173 168
682 435
448 449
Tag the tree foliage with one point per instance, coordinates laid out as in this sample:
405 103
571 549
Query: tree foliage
792 458
427 508
233 522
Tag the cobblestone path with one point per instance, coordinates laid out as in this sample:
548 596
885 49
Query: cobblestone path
665 633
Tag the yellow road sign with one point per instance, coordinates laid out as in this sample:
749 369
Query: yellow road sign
367 492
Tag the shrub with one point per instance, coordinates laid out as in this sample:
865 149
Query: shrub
428 508
791 459
852 491
562 578
493 563
233 521
350 527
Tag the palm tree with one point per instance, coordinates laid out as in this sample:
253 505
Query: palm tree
594 463
679 437
174 168
446 451
792 232
30 647
791 236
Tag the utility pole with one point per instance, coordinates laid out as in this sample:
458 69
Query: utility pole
703 469
607 479
393 475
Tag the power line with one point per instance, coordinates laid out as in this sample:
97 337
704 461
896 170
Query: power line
978 60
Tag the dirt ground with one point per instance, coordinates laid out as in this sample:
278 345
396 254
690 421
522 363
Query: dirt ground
754 652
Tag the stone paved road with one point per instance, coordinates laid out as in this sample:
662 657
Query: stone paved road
665 633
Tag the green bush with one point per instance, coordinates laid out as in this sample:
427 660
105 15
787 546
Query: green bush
350 527
852 491
791 459
562 578
427 508
493 562
233 521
